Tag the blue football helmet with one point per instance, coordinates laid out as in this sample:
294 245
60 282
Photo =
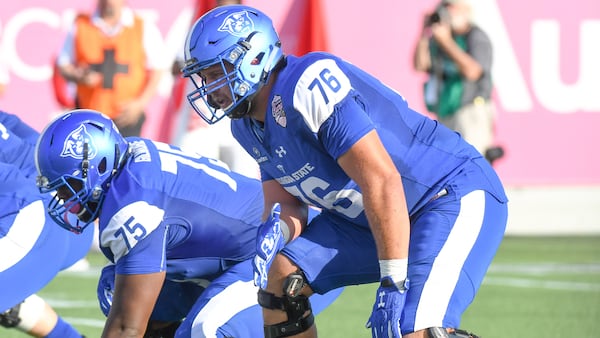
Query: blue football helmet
76 157
244 43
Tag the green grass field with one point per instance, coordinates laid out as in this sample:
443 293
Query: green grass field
536 287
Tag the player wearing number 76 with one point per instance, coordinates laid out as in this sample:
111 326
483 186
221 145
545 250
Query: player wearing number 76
178 229
406 202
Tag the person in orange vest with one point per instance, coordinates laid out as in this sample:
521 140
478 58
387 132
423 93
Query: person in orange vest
116 60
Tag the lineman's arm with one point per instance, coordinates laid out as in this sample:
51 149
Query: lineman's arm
370 166
293 212
132 304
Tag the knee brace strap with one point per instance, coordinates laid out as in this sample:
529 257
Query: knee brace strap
10 318
294 307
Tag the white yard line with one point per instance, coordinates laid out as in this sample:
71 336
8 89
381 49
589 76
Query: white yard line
91 272
546 268
543 269
70 304
89 322
541 284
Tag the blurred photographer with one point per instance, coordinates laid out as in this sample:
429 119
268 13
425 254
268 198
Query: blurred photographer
457 56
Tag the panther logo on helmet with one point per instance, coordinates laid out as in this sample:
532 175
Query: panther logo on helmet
73 146
237 24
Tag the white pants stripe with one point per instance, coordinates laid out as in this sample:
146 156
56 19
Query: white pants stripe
23 234
220 309
439 287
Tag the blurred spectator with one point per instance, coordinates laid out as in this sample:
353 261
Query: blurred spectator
116 58
63 90
457 55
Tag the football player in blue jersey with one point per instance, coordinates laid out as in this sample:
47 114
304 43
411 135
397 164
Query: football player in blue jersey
406 202
32 247
179 229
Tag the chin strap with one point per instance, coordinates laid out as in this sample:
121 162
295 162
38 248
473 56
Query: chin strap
242 110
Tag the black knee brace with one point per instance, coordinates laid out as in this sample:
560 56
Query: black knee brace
293 303
10 318
440 332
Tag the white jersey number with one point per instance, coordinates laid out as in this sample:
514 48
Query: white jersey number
347 202
170 158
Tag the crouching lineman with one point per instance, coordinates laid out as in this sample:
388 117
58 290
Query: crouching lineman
179 228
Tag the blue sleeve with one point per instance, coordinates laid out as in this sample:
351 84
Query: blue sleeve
265 176
16 151
147 256
348 124
18 127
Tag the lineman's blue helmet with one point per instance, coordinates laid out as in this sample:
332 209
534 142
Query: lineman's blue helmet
243 41
76 157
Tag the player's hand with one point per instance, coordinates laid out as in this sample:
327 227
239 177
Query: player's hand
269 242
385 318
106 286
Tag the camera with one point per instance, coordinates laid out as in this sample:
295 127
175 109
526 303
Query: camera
433 18
439 15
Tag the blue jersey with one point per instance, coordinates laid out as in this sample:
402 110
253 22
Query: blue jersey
17 143
16 192
320 106
28 236
18 127
179 212
30 240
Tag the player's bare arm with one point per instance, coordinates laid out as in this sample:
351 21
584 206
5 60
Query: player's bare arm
294 213
133 301
369 165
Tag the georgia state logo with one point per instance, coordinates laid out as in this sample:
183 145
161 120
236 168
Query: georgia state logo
73 146
237 24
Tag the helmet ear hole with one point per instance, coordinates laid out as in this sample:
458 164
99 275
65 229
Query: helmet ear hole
102 166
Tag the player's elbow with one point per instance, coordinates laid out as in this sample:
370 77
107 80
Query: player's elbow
386 181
